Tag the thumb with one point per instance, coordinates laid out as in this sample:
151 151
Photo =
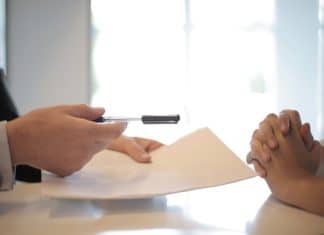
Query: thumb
85 111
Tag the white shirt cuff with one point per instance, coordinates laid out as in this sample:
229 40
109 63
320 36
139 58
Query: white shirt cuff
7 175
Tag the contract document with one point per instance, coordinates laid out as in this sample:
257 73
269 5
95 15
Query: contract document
195 161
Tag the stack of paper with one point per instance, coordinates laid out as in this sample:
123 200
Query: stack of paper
195 161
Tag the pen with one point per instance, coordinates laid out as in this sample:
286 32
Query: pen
146 119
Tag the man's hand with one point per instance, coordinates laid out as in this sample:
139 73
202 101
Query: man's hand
263 140
60 139
137 148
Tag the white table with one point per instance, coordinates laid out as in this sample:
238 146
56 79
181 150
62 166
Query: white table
245 207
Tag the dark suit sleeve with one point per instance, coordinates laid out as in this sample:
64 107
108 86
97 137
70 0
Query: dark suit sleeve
8 112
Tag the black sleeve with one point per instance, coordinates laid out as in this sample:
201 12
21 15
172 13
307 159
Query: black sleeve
8 112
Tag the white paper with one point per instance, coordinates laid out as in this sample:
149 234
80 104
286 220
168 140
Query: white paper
195 161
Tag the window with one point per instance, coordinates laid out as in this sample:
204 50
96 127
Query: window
213 62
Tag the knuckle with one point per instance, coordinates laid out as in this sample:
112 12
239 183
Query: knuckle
284 111
266 149
271 116
295 114
83 107
284 117
264 124
254 145
255 134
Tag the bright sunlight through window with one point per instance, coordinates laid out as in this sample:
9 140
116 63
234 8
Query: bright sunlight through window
213 62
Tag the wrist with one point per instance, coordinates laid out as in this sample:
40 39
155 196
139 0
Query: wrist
310 195
299 190
292 190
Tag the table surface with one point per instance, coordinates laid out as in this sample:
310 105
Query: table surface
245 207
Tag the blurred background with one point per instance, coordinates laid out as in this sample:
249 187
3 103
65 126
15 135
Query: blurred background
223 64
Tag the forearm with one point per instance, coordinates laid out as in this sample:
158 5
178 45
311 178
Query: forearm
308 194
320 171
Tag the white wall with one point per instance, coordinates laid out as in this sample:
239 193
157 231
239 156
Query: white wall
48 52
296 34
320 86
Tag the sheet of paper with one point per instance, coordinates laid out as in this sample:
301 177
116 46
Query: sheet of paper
195 161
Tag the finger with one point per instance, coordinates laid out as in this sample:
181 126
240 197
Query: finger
295 120
267 132
284 123
273 121
154 146
254 155
307 136
108 132
84 111
137 152
316 148
259 169
258 151
148 144
249 157
267 151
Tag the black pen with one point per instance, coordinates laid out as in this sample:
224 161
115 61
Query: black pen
146 119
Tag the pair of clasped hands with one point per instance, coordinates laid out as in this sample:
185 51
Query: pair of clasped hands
285 154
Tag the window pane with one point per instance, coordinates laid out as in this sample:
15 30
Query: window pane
211 61
138 57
